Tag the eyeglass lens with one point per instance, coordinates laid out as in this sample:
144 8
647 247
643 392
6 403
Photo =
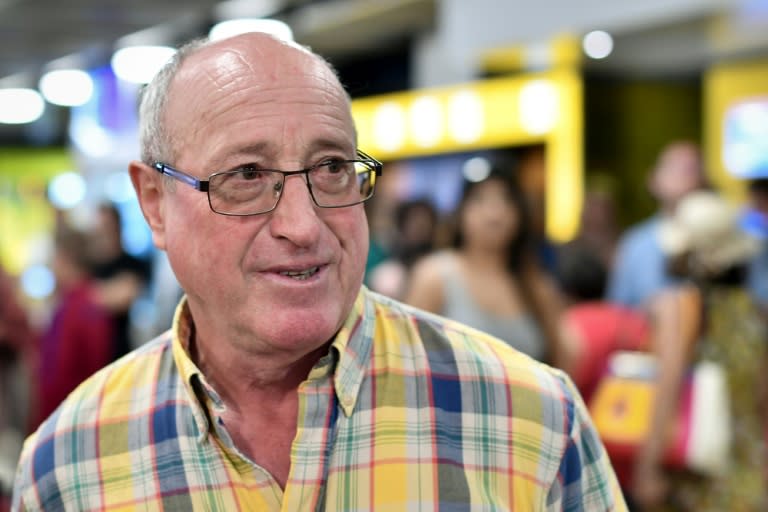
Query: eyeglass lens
251 191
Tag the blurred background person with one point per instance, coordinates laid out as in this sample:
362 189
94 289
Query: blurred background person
598 231
80 337
18 348
415 224
491 279
164 294
594 328
756 222
640 271
120 277
706 247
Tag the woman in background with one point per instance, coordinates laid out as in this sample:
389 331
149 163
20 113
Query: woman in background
491 279
80 337
415 224
714 313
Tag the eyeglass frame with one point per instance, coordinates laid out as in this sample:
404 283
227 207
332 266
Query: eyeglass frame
203 185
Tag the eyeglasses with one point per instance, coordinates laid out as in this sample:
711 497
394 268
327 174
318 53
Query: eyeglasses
249 190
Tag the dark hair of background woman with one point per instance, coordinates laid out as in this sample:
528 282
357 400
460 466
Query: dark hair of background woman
521 247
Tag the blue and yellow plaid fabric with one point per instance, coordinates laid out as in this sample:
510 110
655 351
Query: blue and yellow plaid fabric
407 412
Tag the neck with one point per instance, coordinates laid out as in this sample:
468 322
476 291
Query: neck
241 376
483 258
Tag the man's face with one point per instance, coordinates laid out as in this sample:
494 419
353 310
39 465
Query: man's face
284 280
678 173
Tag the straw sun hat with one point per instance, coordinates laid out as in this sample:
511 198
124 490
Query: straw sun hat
707 229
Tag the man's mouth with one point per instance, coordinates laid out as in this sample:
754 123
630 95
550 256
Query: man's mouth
300 275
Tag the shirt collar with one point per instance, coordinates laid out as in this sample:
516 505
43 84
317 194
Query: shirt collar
198 390
353 344
351 349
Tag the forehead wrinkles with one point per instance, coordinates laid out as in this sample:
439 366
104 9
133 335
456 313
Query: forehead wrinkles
211 85
207 78
239 68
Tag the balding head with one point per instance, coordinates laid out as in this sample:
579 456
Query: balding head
259 51
270 121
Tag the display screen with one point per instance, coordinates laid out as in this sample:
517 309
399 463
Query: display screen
745 140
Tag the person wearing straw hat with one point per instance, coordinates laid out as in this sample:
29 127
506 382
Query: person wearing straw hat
705 246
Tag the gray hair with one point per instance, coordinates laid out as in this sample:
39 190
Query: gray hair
154 138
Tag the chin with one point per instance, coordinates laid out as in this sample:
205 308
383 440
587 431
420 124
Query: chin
310 329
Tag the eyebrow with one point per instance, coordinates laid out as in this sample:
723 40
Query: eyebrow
263 149
259 148
328 144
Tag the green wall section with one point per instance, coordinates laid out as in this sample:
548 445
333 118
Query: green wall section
26 218
627 124
31 162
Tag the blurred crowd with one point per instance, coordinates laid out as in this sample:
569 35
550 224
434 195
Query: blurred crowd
608 292
48 349
488 264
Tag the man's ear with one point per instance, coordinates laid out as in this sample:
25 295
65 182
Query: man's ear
149 189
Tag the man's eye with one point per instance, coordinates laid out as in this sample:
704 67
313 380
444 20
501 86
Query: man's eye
336 166
249 172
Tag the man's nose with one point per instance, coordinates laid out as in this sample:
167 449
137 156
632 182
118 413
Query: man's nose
295 217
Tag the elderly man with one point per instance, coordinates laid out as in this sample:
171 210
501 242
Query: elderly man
283 383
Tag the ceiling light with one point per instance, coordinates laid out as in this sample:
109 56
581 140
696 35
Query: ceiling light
538 107
466 120
389 125
67 190
236 27
597 44
37 281
476 169
139 64
89 137
232 9
19 106
426 117
67 87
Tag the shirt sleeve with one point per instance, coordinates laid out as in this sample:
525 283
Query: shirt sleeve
619 282
585 479
24 486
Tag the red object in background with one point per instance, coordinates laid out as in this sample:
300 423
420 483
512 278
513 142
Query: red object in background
78 342
601 328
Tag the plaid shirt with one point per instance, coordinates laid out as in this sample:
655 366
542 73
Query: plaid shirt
407 412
